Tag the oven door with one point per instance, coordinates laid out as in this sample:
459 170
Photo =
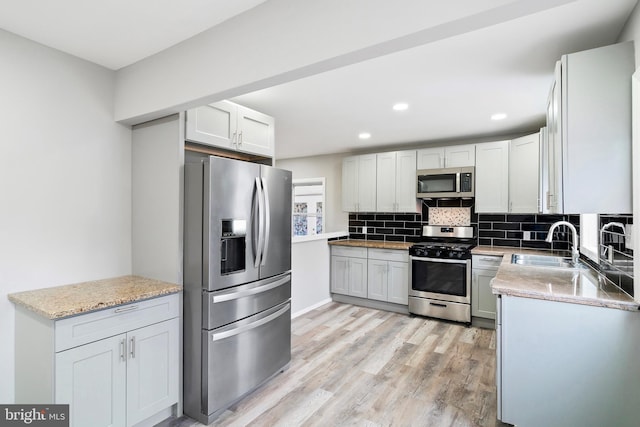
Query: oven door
442 279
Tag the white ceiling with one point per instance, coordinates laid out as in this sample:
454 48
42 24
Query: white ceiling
452 86
115 33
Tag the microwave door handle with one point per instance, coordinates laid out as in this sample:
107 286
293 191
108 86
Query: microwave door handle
258 246
267 221
457 182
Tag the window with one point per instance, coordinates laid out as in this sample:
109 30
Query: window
308 206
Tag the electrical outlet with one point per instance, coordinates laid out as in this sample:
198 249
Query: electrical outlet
364 230
526 235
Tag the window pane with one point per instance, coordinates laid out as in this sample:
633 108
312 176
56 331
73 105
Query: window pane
299 225
299 207
319 224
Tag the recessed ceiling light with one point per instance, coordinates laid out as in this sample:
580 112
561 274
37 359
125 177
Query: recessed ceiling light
364 135
401 106
499 116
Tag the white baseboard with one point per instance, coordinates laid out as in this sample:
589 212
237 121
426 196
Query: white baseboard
313 307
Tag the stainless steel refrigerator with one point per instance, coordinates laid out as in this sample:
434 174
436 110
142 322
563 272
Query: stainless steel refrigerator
237 281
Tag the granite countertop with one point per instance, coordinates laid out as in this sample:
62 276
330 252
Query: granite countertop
583 286
372 244
68 300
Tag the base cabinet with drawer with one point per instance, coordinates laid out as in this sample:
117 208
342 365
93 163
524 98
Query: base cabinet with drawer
483 301
374 274
114 367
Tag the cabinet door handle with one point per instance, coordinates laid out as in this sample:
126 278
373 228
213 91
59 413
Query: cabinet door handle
233 139
125 309
122 350
133 347
240 138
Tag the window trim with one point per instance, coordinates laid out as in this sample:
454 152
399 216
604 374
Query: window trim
301 182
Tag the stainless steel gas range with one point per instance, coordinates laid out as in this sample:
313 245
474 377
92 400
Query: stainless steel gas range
440 273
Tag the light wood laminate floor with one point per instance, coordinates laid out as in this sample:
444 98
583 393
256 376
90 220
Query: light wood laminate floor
356 366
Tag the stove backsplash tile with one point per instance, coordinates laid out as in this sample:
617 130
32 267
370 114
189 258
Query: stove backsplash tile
450 216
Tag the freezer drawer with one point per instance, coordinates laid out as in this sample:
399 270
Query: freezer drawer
227 306
243 355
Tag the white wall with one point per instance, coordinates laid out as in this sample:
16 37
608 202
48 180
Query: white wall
310 275
65 179
330 167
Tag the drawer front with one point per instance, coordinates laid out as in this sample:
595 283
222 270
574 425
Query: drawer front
349 251
86 328
244 354
230 305
486 261
389 255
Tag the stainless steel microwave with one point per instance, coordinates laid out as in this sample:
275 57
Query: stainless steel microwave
447 182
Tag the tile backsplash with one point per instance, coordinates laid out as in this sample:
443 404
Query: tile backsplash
518 231
527 231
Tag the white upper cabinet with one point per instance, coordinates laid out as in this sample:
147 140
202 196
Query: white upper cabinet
492 177
232 127
359 183
552 192
460 156
447 157
255 132
524 178
431 158
589 123
396 182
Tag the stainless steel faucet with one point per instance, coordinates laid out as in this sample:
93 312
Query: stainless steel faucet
607 251
575 254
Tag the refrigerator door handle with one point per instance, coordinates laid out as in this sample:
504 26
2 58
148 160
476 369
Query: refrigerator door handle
260 244
242 294
267 221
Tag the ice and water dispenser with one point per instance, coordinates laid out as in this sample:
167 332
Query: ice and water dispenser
233 243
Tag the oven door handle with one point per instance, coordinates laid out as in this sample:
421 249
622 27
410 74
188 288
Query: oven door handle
443 260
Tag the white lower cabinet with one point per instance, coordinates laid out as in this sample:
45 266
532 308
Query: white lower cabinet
349 271
92 379
376 274
114 367
388 276
483 301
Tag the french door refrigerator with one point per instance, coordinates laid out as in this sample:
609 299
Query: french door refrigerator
237 281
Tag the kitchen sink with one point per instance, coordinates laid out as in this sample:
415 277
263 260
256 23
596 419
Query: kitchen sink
549 261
